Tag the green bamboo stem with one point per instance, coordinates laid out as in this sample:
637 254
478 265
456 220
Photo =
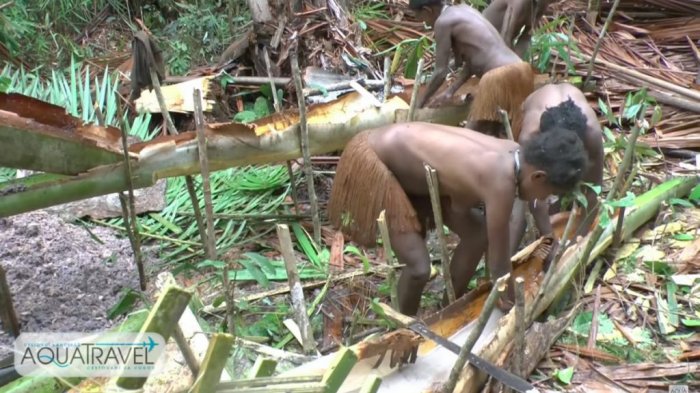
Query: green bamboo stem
214 362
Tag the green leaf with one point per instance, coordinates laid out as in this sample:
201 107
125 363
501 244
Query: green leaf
683 236
245 116
565 376
255 272
695 194
209 263
262 261
125 303
362 24
307 246
627 201
691 322
4 84
413 57
656 117
680 202
671 289
582 323
262 107
660 268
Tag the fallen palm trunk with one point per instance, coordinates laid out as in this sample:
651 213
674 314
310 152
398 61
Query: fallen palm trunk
269 140
645 207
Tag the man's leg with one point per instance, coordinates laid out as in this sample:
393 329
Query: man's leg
411 251
471 229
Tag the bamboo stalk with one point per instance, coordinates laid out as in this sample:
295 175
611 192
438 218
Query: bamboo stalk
186 350
304 140
196 211
609 19
272 352
506 124
498 288
387 77
210 239
519 345
213 364
434 190
297 294
263 367
414 93
264 381
131 223
391 273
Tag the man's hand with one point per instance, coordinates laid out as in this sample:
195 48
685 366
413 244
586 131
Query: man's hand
553 253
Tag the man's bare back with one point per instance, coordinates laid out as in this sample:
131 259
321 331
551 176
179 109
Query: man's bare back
475 43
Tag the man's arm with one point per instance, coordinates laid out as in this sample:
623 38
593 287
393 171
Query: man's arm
499 206
443 47
540 212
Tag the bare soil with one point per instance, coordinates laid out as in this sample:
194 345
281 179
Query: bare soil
61 277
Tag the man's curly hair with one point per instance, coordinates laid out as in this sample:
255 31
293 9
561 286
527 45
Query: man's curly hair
567 116
560 154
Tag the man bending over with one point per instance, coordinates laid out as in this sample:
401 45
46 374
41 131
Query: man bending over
505 80
382 169
553 107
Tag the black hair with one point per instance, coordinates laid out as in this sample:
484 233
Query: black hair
417 4
560 154
566 115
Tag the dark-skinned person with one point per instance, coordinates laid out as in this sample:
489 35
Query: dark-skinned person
504 79
383 169
557 106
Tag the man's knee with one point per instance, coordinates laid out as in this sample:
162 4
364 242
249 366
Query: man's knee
419 273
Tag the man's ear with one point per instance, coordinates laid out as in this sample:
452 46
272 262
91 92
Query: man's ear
538 177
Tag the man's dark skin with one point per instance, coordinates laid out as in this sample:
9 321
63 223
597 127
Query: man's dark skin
472 168
510 16
476 44
534 106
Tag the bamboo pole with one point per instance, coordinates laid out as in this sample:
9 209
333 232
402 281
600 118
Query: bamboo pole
391 273
414 93
519 345
304 140
213 364
210 240
297 293
496 292
434 190
609 19
129 213
387 77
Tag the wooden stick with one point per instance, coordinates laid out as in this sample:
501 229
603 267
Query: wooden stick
210 240
519 344
391 274
593 334
414 94
609 19
197 212
263 367
434 190
498 288
506 124
298 304
304 140
131 222
8 316
263 381
213 364
186 350
387 77
272 352
275 99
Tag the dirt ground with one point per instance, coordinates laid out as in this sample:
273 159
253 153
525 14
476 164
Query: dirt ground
62 278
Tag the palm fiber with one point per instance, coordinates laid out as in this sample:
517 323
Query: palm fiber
505 88
362 188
